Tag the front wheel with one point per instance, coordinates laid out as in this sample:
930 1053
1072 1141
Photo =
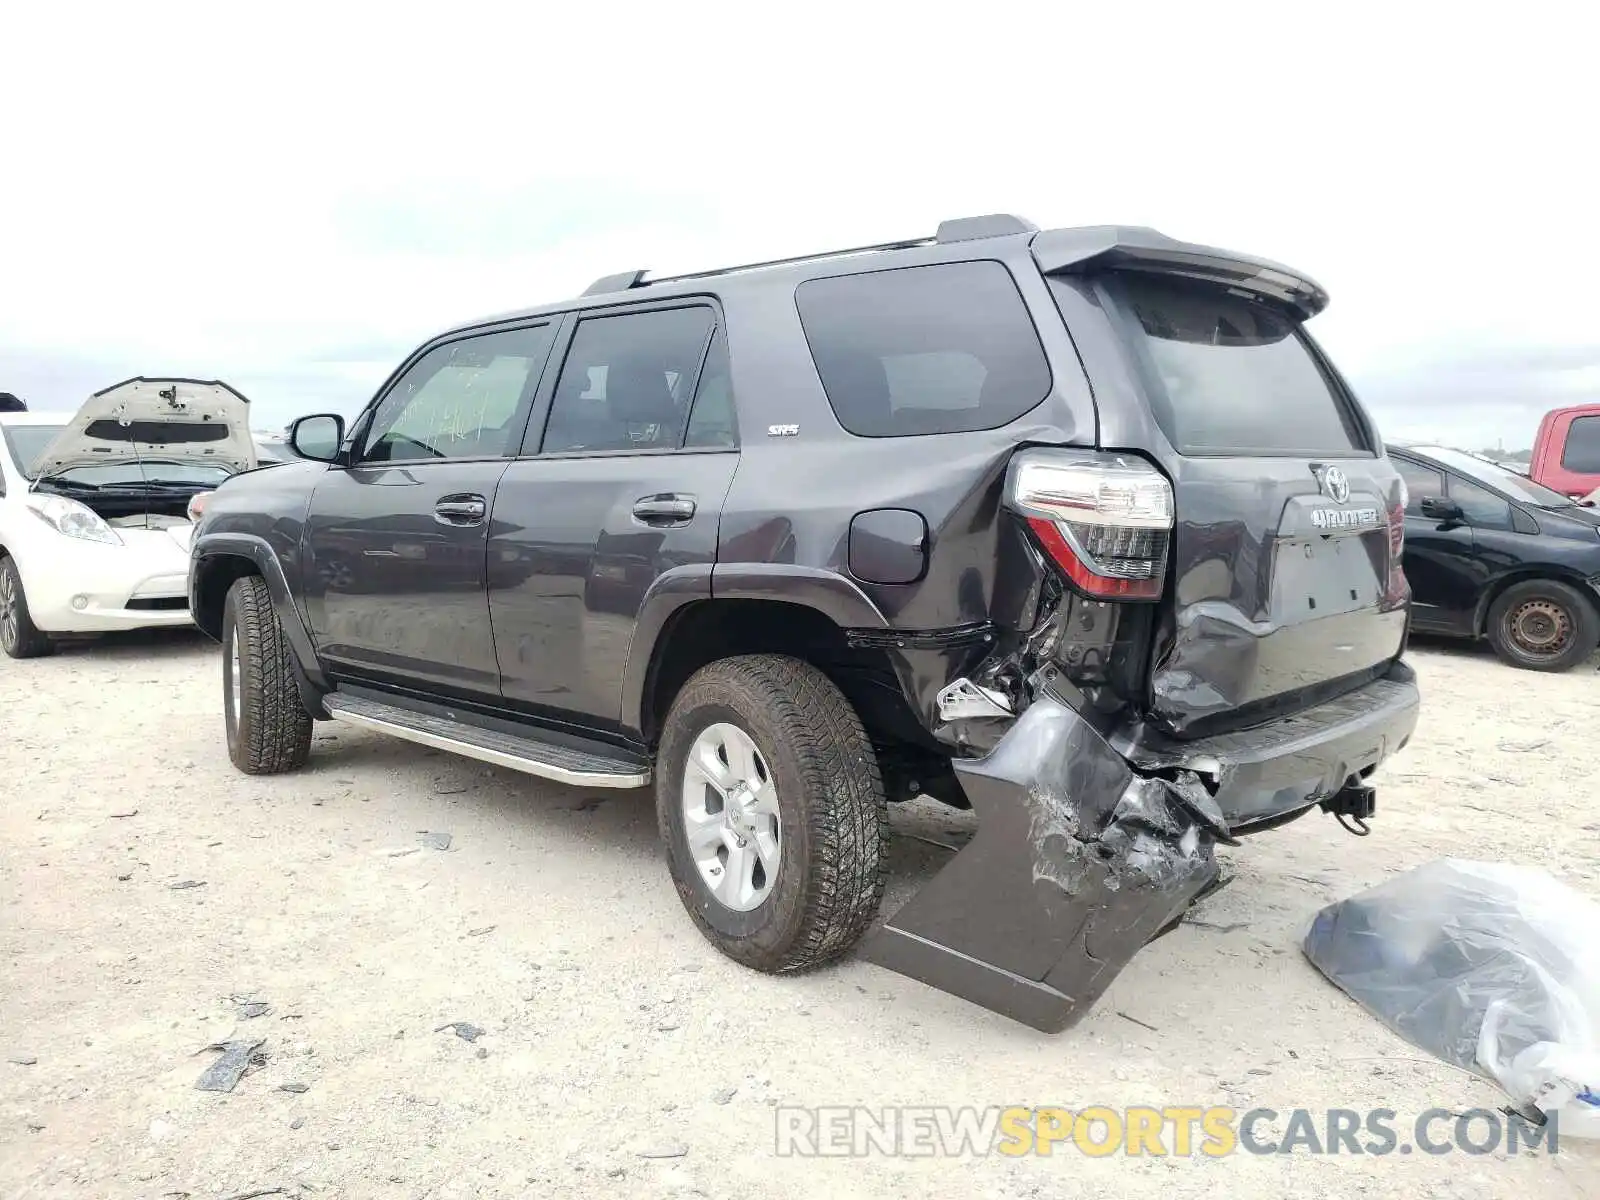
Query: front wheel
1543 625
772 810
269 729
19 636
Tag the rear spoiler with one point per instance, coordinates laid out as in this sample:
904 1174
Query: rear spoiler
1134 248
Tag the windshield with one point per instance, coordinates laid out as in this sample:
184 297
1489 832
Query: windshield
150 470
1518 487
27 442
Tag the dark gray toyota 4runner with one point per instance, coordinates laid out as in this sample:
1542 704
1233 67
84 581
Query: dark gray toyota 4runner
1077 528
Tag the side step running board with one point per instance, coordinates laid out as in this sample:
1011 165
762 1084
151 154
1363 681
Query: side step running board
544 759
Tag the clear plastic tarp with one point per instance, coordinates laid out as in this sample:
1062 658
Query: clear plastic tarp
1492 967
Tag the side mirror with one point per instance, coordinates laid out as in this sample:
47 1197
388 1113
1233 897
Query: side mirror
1437 508
318 437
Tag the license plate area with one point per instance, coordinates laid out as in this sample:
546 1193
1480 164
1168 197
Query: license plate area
1314 577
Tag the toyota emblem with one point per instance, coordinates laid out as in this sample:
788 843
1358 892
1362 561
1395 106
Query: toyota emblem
1336 485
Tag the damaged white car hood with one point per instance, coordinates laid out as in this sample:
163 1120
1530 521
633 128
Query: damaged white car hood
177 420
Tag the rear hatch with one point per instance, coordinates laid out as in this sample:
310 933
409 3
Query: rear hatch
1282 581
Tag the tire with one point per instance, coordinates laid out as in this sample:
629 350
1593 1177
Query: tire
1543 625
832 818
19 636
268 727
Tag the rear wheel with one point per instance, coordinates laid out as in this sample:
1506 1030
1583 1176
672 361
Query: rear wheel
19 636
772 811
269 729
1543 625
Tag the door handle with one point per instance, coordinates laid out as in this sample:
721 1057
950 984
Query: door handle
461 510
664 510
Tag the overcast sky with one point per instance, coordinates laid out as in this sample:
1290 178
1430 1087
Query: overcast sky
292 203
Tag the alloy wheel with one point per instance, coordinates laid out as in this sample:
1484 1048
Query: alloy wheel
235 689
730 817
9 619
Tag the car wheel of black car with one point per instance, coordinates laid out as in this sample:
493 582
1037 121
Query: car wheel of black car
269 730
773 812
1543 625
19 636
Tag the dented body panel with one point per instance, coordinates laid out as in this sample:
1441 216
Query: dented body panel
1077 863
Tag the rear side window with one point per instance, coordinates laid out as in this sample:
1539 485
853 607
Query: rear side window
1228 375
1582 451
628 382
940 349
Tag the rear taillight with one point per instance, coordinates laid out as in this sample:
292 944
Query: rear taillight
1398 585
1105 520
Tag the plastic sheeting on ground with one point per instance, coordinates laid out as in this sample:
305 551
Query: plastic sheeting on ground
1492 967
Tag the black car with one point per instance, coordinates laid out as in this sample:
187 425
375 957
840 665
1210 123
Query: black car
1492 554
1079 529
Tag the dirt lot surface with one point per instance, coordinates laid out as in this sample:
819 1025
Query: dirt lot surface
611 1031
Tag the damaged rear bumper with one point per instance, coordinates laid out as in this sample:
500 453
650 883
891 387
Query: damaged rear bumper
1082 854
1287 765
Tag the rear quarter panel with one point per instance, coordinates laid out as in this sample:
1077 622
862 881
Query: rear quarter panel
795 494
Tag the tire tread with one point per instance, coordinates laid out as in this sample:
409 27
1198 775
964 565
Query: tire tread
274 729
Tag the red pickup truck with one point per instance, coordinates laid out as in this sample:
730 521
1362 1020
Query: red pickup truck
1566 454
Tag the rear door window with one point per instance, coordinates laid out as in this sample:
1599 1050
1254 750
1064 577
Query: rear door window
1229 375
628 382
1582 451
923 350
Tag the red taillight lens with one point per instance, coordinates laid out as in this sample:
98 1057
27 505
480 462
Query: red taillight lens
1103 519
1398 584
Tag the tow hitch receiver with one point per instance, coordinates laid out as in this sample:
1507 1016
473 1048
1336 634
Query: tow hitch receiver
1353 806
1077 863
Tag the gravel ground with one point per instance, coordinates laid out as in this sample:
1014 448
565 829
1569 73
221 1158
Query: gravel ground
611 1031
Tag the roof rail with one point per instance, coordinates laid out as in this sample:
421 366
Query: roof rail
968 229
960 229
904 244
619 282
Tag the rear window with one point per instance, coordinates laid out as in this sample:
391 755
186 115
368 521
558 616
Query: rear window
939 349
1582 451
1227 374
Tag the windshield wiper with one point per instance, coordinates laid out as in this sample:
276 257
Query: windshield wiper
163 483
75 484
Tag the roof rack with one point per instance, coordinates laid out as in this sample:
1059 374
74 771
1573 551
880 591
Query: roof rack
959 229
620 282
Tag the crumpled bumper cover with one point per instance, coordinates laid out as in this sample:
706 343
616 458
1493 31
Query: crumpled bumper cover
1081 858
1276 768
1076 864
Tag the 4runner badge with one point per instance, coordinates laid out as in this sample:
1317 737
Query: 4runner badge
1343 518
782 430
